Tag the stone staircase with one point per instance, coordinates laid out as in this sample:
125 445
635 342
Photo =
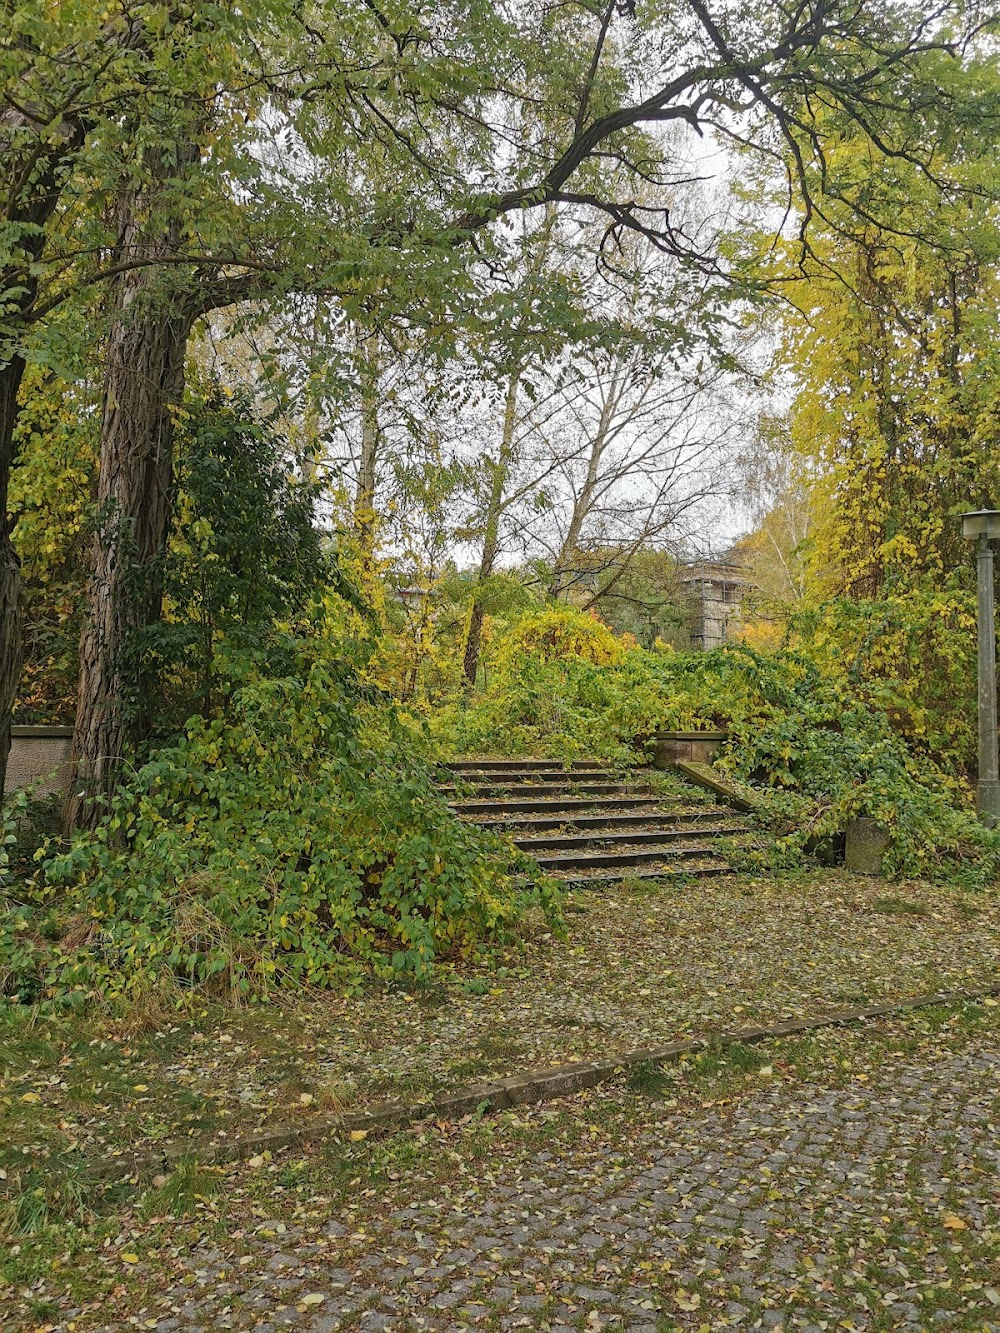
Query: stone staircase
588 825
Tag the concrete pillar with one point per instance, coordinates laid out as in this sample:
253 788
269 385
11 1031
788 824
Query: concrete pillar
988 787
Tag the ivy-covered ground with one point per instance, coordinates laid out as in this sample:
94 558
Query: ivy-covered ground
638 965
846 1180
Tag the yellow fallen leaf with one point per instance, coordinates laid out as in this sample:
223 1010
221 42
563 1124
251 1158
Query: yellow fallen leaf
952 1222
314 1298
357 1134
31 1097
256 1161
141 1087
991 1004
306 1098
130 1258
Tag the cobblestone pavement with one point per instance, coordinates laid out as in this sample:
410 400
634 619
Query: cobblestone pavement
874 1205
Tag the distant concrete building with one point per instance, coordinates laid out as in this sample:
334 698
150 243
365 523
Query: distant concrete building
716 589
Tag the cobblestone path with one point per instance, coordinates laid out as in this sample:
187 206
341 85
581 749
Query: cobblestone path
870 1206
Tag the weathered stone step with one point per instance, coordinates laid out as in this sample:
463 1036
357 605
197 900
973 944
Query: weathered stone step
622 856
541 804
573 879
608 821
535 776
516 765
570 788
630 839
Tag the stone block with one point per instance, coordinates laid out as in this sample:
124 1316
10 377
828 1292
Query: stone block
671 747
866 844
40 758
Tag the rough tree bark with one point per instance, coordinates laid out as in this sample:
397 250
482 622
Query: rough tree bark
10 566
499 472
154 311
144 380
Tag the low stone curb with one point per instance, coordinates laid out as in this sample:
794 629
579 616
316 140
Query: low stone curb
532 1087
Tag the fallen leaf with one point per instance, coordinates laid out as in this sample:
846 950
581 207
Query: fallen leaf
358 1134
314 1298
31 1097
952 1222
130 1258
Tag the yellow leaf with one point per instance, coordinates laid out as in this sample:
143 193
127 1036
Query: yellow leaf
130 1258
952 1222
140 1087
314 1298
357 1134
31 1097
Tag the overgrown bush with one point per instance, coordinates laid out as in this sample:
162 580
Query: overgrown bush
825 744
297 843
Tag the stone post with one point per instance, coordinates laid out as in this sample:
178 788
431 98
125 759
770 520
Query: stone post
988 787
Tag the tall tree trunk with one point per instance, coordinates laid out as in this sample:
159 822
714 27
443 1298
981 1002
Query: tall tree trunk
499 472
364 501
154 310
33 169
144 381
10 566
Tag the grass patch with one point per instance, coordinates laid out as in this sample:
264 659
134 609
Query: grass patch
180 1193
44 1196
650 1080
893 906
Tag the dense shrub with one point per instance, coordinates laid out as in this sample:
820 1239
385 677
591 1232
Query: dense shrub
298 842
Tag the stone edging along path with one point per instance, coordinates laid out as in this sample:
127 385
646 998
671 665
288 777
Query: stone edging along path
531 1087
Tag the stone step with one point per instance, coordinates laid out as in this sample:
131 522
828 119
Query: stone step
609 820
541 805
532 776
573 879
636 838
516 765
621 856
518 789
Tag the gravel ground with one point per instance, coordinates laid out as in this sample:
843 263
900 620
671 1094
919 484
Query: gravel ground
848 1183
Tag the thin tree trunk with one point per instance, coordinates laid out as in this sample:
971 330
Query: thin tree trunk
364 502
585 500
491 533
10 566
